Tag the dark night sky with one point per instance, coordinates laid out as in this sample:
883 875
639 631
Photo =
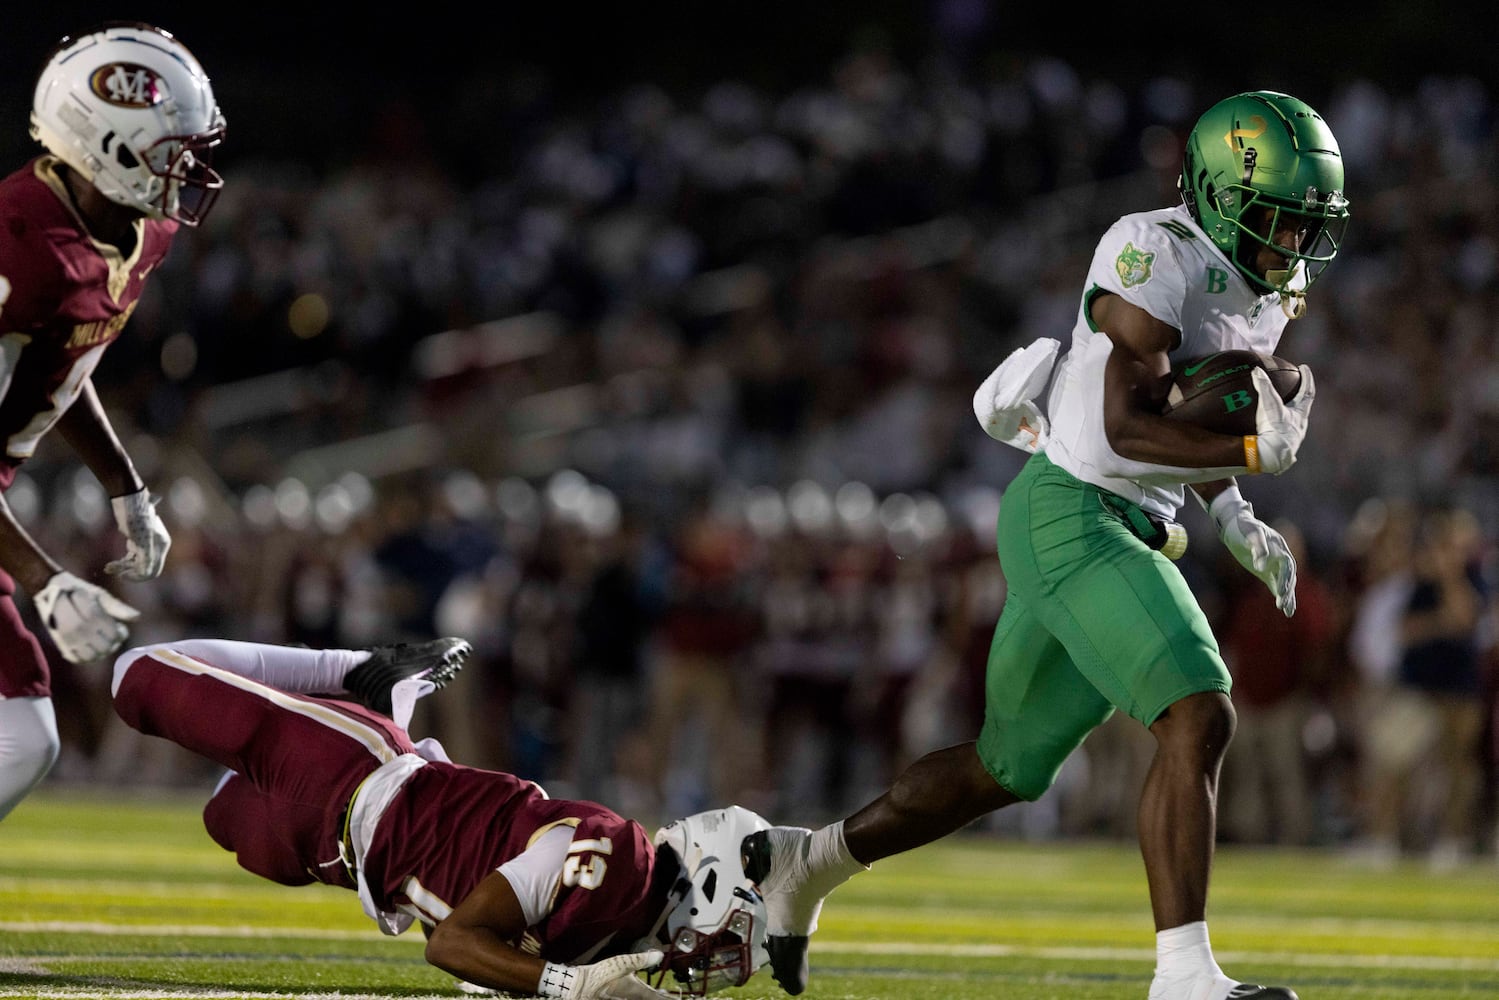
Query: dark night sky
305 76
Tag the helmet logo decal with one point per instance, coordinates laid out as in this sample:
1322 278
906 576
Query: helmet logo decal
1258 129
1133 265
710 884
126 85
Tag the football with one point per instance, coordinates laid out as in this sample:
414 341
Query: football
1216 392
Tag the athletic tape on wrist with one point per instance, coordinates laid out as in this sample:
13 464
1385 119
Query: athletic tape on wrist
556 980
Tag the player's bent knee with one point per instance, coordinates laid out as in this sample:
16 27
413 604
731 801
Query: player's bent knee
131 702
1203 720
220 819
123 663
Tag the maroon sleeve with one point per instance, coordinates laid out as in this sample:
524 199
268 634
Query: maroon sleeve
604 902
54 275
33 273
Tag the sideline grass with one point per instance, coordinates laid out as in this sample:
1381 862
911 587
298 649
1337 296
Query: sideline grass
126 897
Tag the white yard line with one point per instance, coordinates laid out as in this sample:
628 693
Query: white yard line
1330 961
1361 926
1448 963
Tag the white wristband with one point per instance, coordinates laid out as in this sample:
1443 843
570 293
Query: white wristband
556 980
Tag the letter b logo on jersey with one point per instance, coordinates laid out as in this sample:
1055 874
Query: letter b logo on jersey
1217 281
1235 401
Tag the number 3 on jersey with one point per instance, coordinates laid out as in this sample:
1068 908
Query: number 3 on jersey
585 865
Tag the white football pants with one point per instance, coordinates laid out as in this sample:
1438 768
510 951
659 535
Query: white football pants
28 747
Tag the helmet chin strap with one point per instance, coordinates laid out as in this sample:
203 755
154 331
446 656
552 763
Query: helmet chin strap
674 896
1292 300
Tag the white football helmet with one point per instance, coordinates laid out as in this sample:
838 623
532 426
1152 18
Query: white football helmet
714 934
130 109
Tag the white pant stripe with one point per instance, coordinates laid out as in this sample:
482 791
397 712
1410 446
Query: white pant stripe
372 739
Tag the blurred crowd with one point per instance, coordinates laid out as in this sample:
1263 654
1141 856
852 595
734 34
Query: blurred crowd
664 403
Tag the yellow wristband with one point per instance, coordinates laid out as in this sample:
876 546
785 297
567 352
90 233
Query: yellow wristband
1252 452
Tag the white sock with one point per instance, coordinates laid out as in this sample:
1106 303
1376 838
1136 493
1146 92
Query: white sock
404 695
285 668
809 865
1185 968
828 861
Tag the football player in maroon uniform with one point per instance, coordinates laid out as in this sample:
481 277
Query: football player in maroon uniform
128 122
516 891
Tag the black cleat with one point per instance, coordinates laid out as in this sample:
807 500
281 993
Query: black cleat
1248 991
437 661
788 961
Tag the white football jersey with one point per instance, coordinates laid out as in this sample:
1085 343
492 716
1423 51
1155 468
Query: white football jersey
1162 262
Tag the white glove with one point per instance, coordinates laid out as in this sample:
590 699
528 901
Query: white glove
1279 426
1259 548
146 538
1004 403
612 979
85 621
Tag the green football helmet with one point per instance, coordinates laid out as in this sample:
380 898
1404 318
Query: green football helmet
1262 156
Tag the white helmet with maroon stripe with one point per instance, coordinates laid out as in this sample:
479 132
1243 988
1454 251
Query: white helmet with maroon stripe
714 936
130 109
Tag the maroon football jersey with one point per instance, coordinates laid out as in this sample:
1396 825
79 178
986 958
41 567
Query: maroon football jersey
64 297
451 826
448 827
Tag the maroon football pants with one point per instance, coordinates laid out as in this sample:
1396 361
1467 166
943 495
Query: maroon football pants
23 667
296 759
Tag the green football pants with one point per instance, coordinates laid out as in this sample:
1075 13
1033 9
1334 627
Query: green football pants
1094 620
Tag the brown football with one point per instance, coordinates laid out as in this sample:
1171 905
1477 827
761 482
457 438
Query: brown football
1217 392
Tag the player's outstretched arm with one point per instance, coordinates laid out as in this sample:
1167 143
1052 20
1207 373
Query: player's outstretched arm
472 943
20 555
86 428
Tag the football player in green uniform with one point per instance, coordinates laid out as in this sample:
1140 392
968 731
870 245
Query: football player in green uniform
1097 618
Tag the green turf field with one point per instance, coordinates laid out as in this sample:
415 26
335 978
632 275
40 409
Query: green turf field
128 898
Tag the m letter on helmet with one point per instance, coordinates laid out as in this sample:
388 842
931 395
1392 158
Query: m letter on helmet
126 85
